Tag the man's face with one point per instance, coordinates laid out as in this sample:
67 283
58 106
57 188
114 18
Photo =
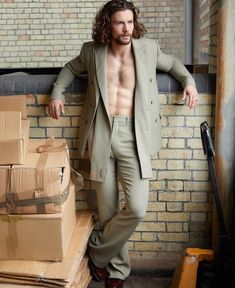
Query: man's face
122 26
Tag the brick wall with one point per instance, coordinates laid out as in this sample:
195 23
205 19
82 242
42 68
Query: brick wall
212 53
201 31
164 21
40 33
205 33
50 33
179 210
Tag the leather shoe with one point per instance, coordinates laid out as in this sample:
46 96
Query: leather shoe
98 274
114 283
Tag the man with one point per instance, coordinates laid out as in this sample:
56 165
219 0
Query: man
121 122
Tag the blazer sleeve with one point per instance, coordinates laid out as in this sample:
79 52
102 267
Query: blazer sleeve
175 67
67 75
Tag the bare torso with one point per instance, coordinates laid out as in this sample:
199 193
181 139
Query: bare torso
121 84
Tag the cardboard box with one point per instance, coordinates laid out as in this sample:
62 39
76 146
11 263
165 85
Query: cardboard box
40 184
51 274
14 129
39 236
14 103
10 125
82 279
14 137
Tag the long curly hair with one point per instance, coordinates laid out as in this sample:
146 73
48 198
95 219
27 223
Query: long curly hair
101 31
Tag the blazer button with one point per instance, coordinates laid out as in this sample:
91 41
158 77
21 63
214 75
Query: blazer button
150 79
151 102
101 173
155 119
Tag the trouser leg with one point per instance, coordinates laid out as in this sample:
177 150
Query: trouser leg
108 247
107 192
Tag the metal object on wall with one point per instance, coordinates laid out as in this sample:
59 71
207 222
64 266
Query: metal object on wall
188 32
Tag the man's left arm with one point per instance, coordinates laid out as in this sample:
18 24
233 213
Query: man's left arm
179 71
175 67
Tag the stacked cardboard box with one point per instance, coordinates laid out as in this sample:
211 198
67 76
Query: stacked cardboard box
72 271
38 236
14 130
42 240
39 185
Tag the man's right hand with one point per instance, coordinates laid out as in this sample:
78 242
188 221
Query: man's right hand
55 108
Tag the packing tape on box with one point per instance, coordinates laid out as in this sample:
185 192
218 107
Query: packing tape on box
50 146
77 179
11 218
12 203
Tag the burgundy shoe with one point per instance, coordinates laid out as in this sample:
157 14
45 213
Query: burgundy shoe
114 283
98 274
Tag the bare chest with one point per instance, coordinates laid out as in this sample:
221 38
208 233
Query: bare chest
121 73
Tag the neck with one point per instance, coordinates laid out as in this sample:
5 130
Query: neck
120 50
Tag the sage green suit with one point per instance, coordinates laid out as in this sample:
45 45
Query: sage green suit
108 247
148 58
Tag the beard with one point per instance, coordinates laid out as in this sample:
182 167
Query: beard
122 39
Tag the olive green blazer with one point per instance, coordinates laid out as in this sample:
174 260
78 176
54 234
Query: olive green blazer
148 58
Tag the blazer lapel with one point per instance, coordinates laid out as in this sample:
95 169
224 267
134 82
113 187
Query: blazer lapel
141 73
101 73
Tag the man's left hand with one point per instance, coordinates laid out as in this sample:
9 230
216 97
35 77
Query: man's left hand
191 93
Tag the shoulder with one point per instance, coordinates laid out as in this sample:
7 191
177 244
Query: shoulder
91 45
87 45
146 42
